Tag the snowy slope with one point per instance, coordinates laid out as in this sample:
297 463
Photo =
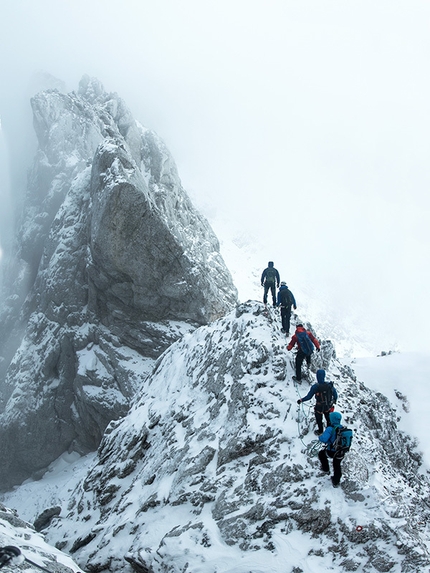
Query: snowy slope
403 378
36 554
214 469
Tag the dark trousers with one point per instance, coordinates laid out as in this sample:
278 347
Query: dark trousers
300 356
319 419
337 471
285 317
271 287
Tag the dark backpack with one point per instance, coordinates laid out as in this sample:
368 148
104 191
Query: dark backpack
324 397
270 275
343 440
285 297
305 343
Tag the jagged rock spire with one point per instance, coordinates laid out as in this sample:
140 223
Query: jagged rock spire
111 259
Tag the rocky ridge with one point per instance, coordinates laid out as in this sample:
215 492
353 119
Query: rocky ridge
112 264
215 469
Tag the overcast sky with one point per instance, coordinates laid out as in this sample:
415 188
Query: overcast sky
305 124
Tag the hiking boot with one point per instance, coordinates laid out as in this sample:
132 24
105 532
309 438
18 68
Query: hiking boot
287 333
282 330
324 471
318 432
297 379
335 484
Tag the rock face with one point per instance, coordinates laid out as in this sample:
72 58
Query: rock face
215 469
113 264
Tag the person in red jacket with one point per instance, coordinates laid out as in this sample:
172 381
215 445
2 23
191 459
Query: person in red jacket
306 342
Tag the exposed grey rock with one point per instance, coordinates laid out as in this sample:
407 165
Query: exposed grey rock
45 518
112 265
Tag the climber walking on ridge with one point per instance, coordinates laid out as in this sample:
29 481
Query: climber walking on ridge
270 280
325 398
306 342
285 301
338 441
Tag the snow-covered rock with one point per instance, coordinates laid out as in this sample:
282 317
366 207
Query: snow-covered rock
31 550
215 469
111 260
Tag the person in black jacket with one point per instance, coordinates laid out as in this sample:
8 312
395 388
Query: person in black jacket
285 301
270 280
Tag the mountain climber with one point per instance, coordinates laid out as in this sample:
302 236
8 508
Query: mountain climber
329 437
285 301
305 341
325 398
270 278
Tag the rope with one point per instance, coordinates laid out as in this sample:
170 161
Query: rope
314 446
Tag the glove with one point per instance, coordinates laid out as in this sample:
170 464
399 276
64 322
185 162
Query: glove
299 401
319 349
295 307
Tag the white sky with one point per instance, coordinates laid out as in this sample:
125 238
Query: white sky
305 124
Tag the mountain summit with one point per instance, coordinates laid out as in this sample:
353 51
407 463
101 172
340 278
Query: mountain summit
110 256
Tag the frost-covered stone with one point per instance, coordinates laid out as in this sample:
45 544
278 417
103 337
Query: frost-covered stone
216 463
33 552
112 265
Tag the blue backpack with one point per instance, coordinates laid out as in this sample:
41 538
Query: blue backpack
305 343
343 440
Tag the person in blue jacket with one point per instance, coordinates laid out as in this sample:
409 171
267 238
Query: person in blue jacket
325 398
285 301
328 438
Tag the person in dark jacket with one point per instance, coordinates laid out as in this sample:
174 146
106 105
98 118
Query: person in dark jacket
270 280
285 301
325 398
302 353
328 438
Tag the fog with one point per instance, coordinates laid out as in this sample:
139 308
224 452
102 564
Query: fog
300 125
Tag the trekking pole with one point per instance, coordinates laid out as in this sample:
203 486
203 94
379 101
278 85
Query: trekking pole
299 430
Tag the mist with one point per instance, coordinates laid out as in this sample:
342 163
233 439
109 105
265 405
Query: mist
301 126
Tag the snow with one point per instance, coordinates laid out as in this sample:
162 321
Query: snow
407 373
57 483
178 390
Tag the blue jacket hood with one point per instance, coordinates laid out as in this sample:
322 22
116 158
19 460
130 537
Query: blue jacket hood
321 376
335 418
